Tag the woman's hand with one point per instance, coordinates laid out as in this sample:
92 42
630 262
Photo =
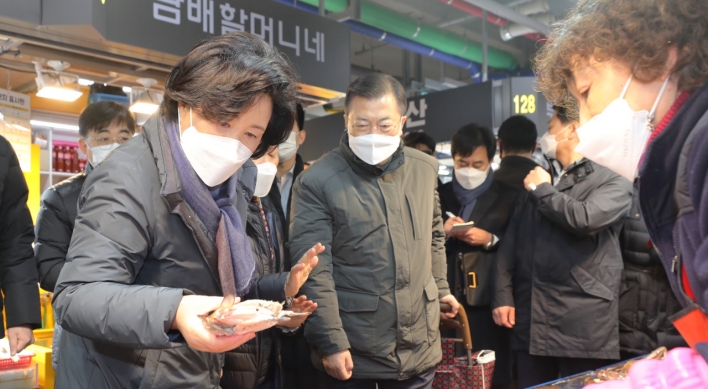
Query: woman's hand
190 325
299 273
300 304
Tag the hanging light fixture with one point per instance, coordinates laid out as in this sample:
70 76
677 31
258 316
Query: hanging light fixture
143 100
53 86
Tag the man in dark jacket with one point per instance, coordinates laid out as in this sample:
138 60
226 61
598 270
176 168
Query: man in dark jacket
18 273
560 269
374 205
517 142
103 126
474 195
646 300
298 371
290 166
257 363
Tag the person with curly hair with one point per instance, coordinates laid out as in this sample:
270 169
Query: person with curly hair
636 74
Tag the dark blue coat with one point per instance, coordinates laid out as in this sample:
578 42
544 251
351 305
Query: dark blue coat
674 197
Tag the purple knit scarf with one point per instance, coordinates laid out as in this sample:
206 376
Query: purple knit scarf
215 209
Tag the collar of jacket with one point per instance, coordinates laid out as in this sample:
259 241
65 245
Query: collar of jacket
513 161
88 169
577 173
358 165
171 191
659 170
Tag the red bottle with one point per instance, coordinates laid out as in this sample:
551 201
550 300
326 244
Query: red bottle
59 166
55 158
67 159
75 159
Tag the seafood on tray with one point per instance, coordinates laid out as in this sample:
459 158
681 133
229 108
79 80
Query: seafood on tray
248 316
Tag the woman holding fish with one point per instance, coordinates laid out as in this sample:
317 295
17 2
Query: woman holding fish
161 238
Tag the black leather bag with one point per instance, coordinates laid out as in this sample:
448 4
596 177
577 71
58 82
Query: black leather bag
477 270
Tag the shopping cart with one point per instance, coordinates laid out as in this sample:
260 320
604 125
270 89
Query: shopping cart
472 371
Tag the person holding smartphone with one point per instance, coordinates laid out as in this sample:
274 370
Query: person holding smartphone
474 196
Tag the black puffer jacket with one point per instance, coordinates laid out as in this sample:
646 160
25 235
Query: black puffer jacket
136 249
55 223
18 273
646 299
250 364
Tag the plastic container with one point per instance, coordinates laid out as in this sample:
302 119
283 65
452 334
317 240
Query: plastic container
23 378
25 360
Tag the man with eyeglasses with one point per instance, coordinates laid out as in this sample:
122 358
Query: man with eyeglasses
373 204
103 127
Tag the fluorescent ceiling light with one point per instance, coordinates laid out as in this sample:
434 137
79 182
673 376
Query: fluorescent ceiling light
85 82
127 89
144 107
40 123
58 93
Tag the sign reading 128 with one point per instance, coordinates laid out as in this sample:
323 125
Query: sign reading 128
524 104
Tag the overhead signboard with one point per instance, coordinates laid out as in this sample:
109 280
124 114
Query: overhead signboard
441 114
317 46
15 125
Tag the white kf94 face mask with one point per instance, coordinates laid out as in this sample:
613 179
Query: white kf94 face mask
617 137
374 148
214 158
287 149
549 144
264 180
471 178
99 154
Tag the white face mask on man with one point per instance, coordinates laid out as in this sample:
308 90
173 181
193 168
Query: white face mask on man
630 129
214 158
471 178
549 144
287 149
100 153
264 180
375 148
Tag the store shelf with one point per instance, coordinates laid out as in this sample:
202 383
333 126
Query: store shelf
58 174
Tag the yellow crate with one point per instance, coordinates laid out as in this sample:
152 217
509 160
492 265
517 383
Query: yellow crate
43 358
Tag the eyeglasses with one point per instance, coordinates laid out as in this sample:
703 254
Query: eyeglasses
383 128
105 143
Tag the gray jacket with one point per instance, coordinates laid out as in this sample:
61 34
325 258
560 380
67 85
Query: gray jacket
137 248
378 282
560 265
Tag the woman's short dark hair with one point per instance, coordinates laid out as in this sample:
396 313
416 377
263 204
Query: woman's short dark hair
518 134
375 85
225 75
102 114
413 139
470 137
